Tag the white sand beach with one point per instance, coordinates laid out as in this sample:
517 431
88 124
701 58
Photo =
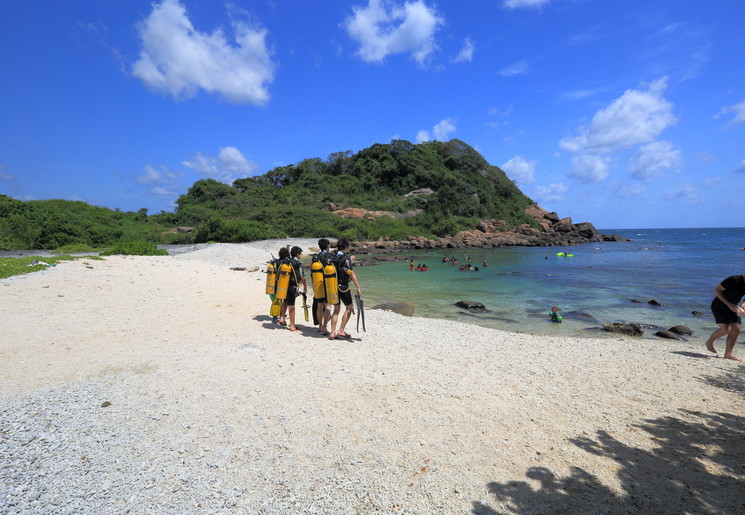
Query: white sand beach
161 385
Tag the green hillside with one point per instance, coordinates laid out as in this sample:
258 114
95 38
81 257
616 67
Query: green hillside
428 189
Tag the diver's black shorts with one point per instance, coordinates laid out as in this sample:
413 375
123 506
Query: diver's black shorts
723 314
345 296
291 296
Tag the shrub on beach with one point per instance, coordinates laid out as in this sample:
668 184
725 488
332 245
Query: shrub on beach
135 248
74 248
234 231
10 267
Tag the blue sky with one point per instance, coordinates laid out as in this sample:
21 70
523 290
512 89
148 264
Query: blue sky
623 113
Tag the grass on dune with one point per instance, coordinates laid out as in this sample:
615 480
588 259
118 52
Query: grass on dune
10 267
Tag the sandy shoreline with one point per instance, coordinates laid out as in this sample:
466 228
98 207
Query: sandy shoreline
212 407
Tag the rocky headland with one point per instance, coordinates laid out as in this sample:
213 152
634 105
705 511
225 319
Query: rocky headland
551 231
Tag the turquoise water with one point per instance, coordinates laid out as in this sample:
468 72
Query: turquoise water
677 267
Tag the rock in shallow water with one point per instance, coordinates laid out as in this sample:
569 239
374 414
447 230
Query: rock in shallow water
681 329
470 305
629 329
668 334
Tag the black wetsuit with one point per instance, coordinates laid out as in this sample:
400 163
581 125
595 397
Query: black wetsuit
734 290
344 264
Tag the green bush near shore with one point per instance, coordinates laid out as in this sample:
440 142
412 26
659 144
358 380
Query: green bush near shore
135 248
10 267
76 248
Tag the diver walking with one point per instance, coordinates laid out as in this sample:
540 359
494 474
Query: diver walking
344 273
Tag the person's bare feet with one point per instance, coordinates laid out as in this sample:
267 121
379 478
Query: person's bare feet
732 357
710 347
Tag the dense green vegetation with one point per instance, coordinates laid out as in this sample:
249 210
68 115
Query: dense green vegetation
54 224
295 200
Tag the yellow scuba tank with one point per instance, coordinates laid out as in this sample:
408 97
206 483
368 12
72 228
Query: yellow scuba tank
271 278
316 274
283 281
331 284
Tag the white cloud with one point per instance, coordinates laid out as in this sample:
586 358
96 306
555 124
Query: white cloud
737 109
179 60
551 193
226 167
515 4
5 176
442 130
155 176
380 31
422 136
686 191
163 182
741 167
466 53
589 168
163 191
513 69
654 158
520 170
637 117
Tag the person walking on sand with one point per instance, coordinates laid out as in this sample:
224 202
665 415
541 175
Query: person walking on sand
322 312
727 314
297 279
344 272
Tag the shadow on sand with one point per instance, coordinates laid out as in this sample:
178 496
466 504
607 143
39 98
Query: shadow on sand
267 322
696 467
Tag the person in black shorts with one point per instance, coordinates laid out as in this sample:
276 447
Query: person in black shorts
727 313
344 275
323 313
297 279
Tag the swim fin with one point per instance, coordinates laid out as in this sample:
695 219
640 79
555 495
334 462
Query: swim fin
360 313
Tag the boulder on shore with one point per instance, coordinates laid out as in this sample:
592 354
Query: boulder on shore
629 329
402 308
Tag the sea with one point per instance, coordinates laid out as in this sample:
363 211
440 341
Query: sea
599 282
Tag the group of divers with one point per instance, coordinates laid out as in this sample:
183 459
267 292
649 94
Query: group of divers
331 272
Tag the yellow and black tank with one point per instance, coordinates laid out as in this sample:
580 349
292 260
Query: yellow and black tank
331 284
316 274
283 280
271 278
